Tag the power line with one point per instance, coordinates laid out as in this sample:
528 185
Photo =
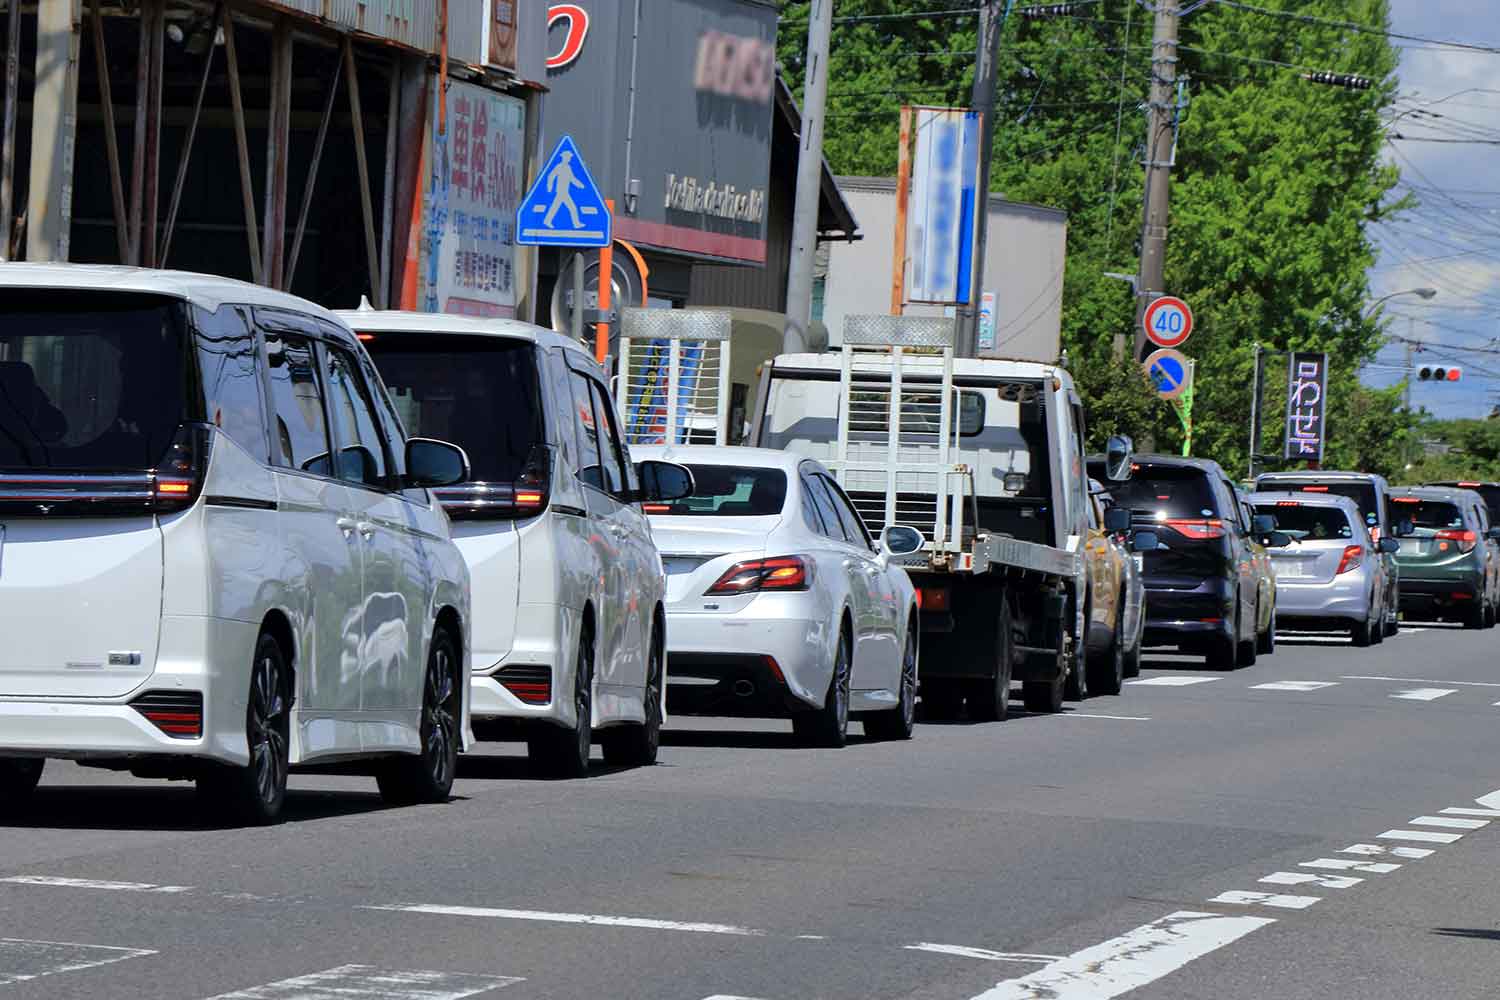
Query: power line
1361 28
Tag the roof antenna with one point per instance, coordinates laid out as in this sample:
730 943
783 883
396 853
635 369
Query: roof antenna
364 304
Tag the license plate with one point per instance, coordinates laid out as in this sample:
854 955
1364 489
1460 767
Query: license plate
1288 568
680 567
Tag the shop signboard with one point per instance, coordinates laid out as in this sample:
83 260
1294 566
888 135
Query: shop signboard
1306 405
473 189
676 113
943 209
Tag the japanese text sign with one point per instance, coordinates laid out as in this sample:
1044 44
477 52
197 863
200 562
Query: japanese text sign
1306 405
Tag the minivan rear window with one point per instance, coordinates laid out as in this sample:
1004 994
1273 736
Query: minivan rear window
1362 493
480 393
89 382
1306 521
1430 514
729 491
1166 491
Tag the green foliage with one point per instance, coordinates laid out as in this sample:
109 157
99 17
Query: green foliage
1276 181
1466 449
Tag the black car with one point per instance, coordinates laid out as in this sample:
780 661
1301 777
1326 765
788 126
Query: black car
1202 588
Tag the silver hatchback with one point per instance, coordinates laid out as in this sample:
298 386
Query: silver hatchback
1328 577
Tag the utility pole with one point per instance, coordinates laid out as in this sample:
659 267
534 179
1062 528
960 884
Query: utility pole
1160 142
809 180
991 23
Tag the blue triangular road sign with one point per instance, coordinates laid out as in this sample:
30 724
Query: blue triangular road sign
564 207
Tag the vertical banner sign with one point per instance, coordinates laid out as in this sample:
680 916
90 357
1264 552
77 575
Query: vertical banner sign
473 191
986 339
1306 405
943 206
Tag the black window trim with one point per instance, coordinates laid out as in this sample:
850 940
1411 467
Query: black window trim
392 479
270 399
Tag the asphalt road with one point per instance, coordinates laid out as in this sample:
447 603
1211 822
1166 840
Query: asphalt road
1279 832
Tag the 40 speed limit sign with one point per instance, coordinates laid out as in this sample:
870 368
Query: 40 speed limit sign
1167 321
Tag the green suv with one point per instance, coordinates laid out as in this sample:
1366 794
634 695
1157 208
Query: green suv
1449 569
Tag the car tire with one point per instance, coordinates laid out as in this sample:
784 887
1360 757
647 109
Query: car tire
1245 649
428 776
1045 696
989 699
1265 642
18 779
1489 616
829 726
1223 653
637 745
899 723
1360 633
1077 687
256 793
560 752
1133 659
1474 618
1107 671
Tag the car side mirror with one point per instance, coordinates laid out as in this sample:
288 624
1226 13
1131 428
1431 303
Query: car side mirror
1262 524
430 464
663 482
900 540
1117 520
1389 546
1117 458
1493 533
1145 541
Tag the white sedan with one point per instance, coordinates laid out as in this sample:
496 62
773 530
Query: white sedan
779 603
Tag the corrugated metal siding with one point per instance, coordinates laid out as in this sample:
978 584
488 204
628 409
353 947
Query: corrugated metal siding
412 23
758 287
466 31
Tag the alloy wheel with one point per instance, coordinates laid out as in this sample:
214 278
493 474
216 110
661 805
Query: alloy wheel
267 728
440 715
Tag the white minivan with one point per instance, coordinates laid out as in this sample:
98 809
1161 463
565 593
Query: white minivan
569 624
219 553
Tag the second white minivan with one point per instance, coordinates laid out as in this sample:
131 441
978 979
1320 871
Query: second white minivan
220 556
568 588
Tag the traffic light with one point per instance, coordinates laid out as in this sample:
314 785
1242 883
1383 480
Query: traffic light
1346 80
1434 373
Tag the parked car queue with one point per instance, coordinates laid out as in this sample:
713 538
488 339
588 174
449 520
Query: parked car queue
223 555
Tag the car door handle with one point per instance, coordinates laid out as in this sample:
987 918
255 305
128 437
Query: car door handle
365 528
346 525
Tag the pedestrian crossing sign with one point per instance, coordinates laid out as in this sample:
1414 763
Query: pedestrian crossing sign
564 207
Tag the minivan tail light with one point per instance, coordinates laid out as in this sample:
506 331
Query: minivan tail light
178 477
1204 528
1353 558
1466 539
756 575
527 496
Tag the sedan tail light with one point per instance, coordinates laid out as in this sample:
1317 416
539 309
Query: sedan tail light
756 575
1204 528
1353 557
1466 539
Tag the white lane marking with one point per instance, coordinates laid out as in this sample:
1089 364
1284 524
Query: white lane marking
1349 864
22 960
1425 836
964 951
1293 685
91 883
1490 801
1129 961
1450 822
811 937
1424 694
1304 878
1122 718
1413 853
1266 899
596 919
1420 680
354 981
727 996
1488 813
1173 681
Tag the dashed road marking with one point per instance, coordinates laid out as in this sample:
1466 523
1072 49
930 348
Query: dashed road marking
1293 685
1266 899
1350 865
964 951
1305 878
1456 811
1131 960
1451 822
21 960
1121 718
1419 680
1422 836
599 920
363 981
1172 681
58 881
1424 694
727 996
1413 853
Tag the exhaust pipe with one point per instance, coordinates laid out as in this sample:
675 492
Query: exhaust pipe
743 688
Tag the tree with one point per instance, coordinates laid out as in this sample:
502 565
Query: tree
1276 182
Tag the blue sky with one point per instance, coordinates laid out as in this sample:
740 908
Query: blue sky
1451 240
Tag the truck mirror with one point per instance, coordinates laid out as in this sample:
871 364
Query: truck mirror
1117 455
1390 546
1117 520
1014 482
1145 541
1263 524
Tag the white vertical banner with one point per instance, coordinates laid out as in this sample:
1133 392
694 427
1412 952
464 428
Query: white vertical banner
943 206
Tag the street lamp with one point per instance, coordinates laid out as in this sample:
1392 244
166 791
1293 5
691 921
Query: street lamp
1425 293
